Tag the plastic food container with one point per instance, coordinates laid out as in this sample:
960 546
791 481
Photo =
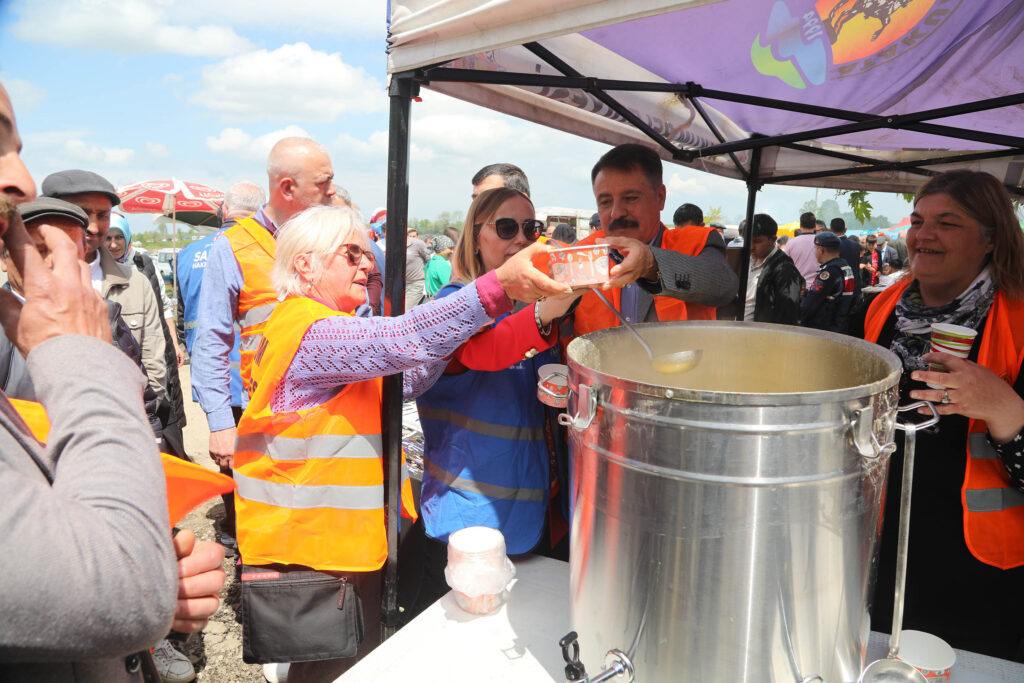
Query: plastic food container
929 654
553 385
478 569
585 266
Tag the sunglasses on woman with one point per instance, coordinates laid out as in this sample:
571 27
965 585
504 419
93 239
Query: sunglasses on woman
355 253
507 228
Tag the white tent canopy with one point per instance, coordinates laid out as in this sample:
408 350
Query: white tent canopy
858 94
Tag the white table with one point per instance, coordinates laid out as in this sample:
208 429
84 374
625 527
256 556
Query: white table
519 642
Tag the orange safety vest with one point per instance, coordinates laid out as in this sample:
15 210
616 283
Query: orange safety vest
993 508
310 482
254 248
592 315
188 484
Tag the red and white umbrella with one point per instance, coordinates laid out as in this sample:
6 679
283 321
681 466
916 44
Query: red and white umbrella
169 197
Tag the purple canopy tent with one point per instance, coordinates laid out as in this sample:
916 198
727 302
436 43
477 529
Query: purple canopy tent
847 94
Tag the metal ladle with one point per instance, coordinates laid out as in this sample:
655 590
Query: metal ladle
666 363
890 669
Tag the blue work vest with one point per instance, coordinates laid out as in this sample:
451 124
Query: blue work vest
191 266
485 460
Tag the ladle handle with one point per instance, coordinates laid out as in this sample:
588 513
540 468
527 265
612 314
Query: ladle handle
625 323
903 537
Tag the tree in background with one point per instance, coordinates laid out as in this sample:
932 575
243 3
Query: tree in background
858 218
436 227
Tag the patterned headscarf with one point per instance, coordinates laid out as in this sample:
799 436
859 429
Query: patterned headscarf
442 242
119 222
914 319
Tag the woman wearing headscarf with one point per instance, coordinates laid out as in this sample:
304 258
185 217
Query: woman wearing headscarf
308 460
439 271
966 555
172 408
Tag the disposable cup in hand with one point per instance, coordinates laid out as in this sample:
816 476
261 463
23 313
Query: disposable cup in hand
929 654
956 340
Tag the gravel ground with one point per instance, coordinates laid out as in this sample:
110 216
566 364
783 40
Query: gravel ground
216 653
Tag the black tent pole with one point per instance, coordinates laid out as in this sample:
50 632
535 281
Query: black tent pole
403 89
753 185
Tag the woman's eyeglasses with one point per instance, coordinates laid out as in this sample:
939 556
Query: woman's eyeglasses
507 228
355 253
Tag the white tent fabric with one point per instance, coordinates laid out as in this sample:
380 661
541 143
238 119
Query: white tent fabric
880 58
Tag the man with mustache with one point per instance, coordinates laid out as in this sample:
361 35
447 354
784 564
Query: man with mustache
680 274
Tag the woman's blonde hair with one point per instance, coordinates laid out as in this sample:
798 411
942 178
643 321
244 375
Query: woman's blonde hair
319 231
466 262
986 200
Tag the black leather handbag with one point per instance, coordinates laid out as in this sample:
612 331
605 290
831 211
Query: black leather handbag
297 614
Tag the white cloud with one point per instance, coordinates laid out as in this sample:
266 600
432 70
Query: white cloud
238 143
326 17
123 27
24 94
79 151
291 83
155 149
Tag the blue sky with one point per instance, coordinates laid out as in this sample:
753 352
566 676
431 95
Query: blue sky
150 89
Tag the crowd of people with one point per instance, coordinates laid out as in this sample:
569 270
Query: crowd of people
283 314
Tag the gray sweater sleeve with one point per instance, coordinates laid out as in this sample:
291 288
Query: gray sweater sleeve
89 569
704 279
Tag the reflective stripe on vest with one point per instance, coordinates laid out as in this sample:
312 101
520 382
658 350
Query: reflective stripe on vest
304 497
483 488
254 249
316 446
480 427
997 499
993 511
592 315
255 316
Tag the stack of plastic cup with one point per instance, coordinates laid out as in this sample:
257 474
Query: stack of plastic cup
478 569
955 340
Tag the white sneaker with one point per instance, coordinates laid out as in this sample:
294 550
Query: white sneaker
172 666
276 673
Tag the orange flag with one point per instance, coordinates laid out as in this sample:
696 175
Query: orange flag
188 484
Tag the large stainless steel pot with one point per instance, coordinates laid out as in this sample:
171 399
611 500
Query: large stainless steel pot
725 520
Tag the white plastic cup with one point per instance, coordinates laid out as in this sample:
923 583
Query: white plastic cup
929 654
478 570
956 340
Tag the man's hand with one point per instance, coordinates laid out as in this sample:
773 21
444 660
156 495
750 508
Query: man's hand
637 262
200 578
58 299
523 282
222 446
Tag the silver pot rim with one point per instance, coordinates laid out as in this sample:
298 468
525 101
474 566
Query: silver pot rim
739 398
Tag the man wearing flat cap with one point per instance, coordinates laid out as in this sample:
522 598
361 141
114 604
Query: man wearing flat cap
69 219
125 286
72 221
827 302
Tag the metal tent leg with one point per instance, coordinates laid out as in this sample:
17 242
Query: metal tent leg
403 89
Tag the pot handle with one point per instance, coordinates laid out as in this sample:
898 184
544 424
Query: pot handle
864 437
586 409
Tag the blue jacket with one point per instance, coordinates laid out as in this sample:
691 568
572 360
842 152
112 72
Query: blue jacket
191 266
485 460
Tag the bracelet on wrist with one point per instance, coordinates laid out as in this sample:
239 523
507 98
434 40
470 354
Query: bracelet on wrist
543 329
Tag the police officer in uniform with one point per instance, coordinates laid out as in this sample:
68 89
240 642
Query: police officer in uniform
827 302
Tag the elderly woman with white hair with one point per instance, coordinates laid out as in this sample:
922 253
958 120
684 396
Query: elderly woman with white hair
308 460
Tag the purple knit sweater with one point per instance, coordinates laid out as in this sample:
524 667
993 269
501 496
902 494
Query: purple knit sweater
340 350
